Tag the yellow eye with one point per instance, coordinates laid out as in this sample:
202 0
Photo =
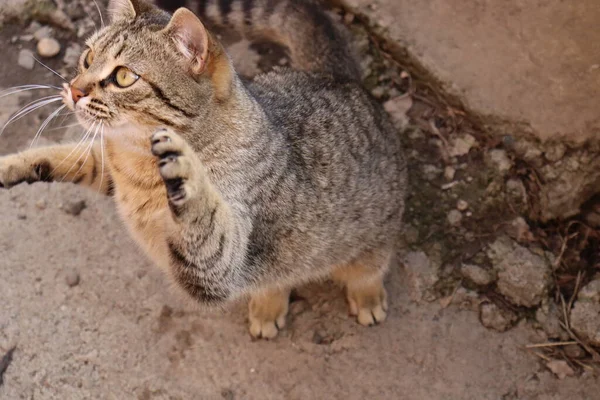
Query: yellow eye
89 58
125 77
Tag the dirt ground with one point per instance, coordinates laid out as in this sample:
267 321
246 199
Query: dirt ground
91 318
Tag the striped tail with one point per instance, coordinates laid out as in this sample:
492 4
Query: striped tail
315 42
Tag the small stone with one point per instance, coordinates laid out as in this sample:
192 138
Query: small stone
283 61
493 317
431 172
21 216
476 274
72 278
43 32
26 59
40 204
421 274
560 368
555 152
227 394
461 145
523 277
516 190
462 205
574 351
584 316
549 316
454 218
378 92
499 160
449 173
26 38
348 18
397 107
48 47
72 54
74 207
519 230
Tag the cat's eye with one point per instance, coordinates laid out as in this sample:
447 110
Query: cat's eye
89 58
124 77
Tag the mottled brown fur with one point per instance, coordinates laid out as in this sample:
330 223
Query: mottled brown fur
237 189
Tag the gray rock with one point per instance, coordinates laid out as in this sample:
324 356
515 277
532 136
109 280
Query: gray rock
517 193
461 145
493 317
431 172
454 217
421 274
523 277
462 205
555 152
585 319
549 317
48 47
42 32
26 59
476 274
72 54
498 159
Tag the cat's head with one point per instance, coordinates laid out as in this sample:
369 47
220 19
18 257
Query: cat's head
148 69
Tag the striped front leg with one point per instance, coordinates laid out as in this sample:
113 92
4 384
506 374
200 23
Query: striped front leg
81 164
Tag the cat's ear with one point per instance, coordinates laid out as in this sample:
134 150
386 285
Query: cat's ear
122 10
190 37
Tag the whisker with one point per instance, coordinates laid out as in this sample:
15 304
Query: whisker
81 141
63 127
50 69
45 123
99 13
24 88
34 105
81 155
89 148
101 156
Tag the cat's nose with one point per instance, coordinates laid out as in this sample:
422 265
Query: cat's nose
77 94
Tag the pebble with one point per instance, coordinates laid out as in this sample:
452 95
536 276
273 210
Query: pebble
43 32
72 278
72 54
499 159
40 204
560 368
26 59
74 207
454 217
574 351
461 145
476 274
348 18
555 153
493 317
21 216
449 173
462 205
48 47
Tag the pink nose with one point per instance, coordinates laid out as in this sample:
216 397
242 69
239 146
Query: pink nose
77 94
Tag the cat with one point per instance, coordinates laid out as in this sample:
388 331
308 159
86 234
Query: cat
236 189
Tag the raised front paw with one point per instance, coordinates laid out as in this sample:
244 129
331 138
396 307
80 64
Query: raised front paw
175 164
15 169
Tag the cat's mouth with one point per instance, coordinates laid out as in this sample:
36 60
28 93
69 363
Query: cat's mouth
88 110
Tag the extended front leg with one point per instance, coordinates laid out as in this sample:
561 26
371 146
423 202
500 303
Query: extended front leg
81 164
205 237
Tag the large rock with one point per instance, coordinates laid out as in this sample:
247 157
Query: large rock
523 277
522 70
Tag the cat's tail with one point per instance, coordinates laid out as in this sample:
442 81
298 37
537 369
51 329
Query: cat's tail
315 42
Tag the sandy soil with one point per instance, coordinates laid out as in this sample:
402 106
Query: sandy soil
91 318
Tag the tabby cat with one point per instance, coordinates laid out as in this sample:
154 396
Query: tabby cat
236 188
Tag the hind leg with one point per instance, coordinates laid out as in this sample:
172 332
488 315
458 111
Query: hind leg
363 281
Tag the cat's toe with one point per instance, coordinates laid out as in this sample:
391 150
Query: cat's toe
173 164
368 304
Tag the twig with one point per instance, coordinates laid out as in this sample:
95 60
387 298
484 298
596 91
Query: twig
550 344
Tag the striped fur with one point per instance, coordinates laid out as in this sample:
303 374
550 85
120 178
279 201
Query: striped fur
239 189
